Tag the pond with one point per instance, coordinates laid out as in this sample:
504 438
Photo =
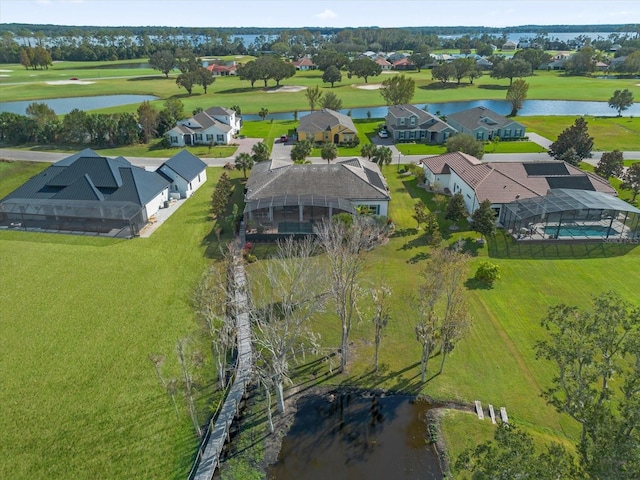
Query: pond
530 107
347 435
65 105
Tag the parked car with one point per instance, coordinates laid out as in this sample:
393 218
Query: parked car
383 134
284 139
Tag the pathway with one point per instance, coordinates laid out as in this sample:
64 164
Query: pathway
209 456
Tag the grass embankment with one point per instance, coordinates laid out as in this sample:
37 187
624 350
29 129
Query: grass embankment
229 91
80 315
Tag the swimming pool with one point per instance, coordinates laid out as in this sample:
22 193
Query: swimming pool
580 231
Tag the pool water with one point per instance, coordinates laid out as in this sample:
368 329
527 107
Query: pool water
581 231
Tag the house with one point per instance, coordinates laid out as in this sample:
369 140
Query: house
327 126
384 64
404 64
407 123
509 45
185 171
304 63
286 198
216 125
484 124
505 182
87 194
223 70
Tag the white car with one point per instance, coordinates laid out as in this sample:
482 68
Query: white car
383 134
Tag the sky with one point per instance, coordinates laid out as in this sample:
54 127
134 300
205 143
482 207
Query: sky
313 13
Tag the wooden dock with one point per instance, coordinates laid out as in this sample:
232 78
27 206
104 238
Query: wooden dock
209 456
492 414
503 415
479 410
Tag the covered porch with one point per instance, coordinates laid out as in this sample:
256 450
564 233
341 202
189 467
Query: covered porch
291 214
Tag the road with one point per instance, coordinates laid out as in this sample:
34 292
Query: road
282 151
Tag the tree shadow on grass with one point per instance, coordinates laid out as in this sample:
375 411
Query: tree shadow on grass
475 284
439 86
494 87
151 78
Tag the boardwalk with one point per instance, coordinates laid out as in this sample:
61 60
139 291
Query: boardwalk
208 459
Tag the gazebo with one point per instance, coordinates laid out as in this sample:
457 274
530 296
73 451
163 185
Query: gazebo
574 215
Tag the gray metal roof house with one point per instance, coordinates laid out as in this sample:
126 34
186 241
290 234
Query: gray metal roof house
86 194
408 123
484 124
185 171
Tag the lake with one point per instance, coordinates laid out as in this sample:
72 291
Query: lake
530 107
65 105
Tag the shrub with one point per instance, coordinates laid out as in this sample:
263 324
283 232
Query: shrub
488 273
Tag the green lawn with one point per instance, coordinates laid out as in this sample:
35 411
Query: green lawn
80 315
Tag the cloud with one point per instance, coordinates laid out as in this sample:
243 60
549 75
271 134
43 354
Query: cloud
327 15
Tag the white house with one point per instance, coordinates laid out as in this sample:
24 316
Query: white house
216 125
185 171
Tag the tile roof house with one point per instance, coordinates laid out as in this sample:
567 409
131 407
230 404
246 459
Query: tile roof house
326 126
223 70
484 124
410 123
404 64
87 193
185 171
287 198
384 64
304 63
215 125
505 182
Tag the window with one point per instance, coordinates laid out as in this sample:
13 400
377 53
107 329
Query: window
173 139
198 136
413 120
219 138
480 136
507 133
402 121
209 137
370 209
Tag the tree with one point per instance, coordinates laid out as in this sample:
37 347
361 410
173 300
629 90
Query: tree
488 273
301 150
286 293
398 90
331 101
473 73
260 152
332 75
204 78
280 70
582 62
511 69
465 143
420 212
432 229
263 113
631 180
189 361
329 151
611 164
186 61
380 298
516 95
441 305
368 150
345 246
244 162
326 58
383 156
443 72
587 348
313 94
364 67
462 67
249 71
621 100
575 137
420 60
483 219
512 454
187 81
46 122
456 209
163 61
148 118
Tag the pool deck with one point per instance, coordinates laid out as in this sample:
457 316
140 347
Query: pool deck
538 232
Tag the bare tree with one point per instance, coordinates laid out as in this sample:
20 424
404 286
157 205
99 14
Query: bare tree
381 296
158 361
285 296
345 244
186 366
442 309
211 300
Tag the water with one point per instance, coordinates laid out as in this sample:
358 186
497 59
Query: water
357 437
530 107
65 105
581 231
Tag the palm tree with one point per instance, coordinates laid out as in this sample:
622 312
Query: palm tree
245 162
368 150
263 113
383 156
329 152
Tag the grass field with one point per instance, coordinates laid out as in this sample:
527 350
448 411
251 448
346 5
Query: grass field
227 91
80 399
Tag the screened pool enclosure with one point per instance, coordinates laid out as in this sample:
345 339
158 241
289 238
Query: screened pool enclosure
566 214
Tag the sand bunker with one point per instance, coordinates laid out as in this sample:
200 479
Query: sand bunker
6 71
2 75
287 89
366 86
69 82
